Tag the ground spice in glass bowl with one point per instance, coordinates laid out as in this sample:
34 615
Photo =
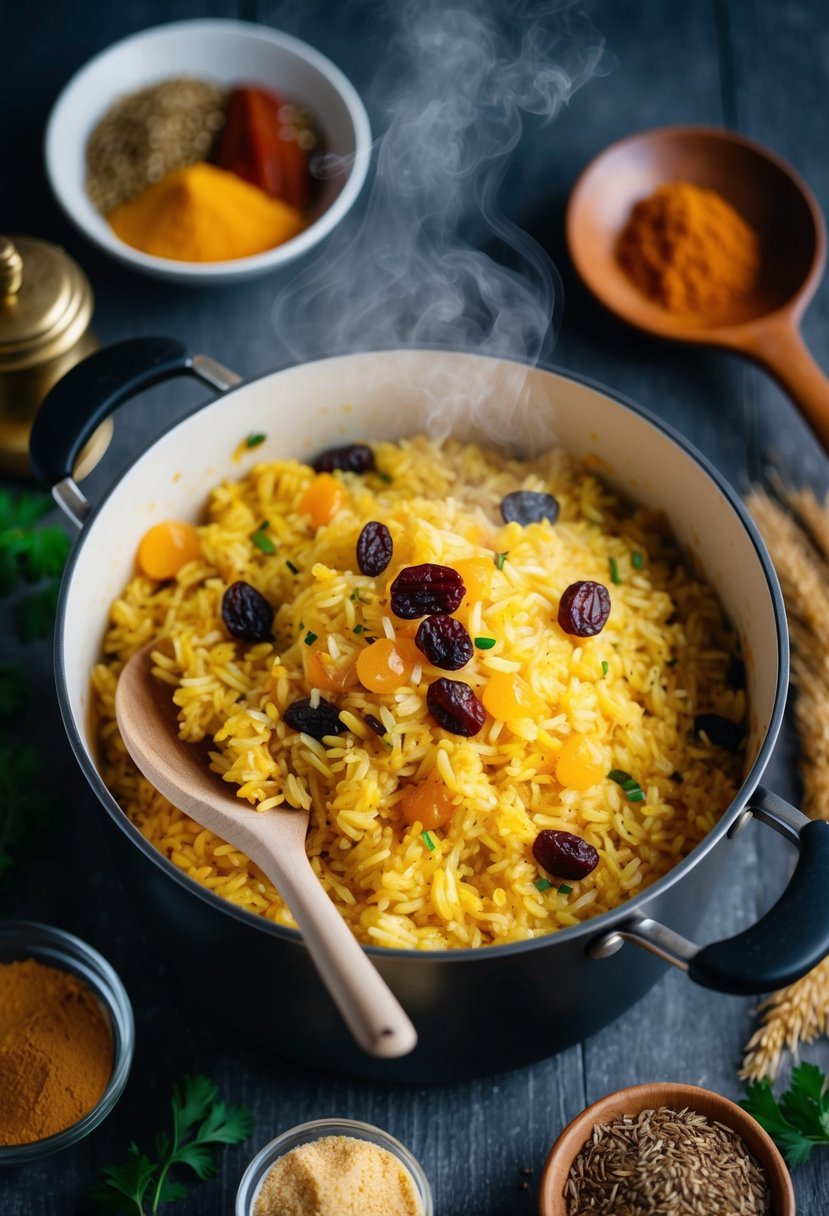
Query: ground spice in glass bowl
66 1040
665 1150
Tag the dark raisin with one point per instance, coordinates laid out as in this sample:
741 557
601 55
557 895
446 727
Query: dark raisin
736 674
584 608
353 458
445 642
721 731
677 777
564 854
247 614
455 707
424 590
317 721
374 548
528 507
375 724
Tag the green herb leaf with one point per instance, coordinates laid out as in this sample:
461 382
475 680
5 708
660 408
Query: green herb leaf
128 1182
500 558
358 629
543 884
427 840
386 477
614 571
637 561
795 1142
262 540
36 613
293 569
485 643
605 667
310 638
253 441
30 554
632 788
565 890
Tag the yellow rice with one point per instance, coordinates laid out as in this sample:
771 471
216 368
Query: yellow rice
633 689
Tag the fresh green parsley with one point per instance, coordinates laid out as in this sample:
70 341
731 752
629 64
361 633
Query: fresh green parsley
637 560
293 569
500 558
31 554
310 638
262 540
200 1122
800 1120
386 477
605 667
427 840
614 571
358 629
542 884
565 890
632 788
253 441
485 643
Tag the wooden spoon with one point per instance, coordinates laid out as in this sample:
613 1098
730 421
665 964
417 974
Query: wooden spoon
274 840
767 193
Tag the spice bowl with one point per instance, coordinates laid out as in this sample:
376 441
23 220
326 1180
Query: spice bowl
306 1133
54 948
222 52
638 1098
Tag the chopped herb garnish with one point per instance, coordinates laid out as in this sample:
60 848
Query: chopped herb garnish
293 569
543 884
614 570
565 890
637 561
485 643
500 558
427 840
677 777
386 477
310 638
632 788
356 598
605 667
358 629
253 441
262 541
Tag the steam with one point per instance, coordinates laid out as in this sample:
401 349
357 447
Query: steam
454 90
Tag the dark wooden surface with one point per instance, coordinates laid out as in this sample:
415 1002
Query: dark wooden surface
757 65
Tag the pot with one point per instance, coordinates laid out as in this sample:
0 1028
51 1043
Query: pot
476 1011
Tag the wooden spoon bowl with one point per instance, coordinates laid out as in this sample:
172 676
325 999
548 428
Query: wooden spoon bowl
767 193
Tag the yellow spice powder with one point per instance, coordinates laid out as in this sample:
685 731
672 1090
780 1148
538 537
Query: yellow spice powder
338 1176
204 214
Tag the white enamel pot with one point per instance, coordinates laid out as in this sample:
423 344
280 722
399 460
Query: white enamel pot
476 1011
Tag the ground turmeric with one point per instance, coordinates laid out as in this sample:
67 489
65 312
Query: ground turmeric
689 250
204 214
56 1051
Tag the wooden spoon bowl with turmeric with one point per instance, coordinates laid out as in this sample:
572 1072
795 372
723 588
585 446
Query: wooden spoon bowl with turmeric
696 234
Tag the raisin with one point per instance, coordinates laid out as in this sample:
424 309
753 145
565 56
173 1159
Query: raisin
247 614
528 507
584 608
736 674
445 642
425 590
375 724
374 548
315 720
721 731
564 854
455 707
353 458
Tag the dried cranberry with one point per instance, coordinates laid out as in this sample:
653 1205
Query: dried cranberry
455 707
374 548
353 458
445 642
564 854
375 724
247 614
315 720
427 589
528 507
721 731
584 608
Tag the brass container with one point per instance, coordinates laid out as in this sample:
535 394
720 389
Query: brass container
45 310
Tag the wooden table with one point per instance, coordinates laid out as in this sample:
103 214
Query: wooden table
756 65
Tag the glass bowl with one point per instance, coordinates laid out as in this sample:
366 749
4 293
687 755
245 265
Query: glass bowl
305 1133
21 940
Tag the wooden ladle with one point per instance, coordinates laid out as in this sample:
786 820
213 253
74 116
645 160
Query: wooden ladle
274 840
767 193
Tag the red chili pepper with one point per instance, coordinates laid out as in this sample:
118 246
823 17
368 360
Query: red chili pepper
252 145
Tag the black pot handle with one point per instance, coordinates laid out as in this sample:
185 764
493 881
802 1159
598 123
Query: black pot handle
782 946
88 394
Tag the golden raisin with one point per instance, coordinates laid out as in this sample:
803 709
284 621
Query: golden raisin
322 500
386 665
580 764
507 697
324 673
429 802
167 547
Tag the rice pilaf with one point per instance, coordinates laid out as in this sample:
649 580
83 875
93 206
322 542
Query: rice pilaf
632 691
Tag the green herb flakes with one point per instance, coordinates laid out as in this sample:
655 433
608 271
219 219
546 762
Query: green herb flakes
358 629
261 540
637 561
605 667
543 884
385 477
614 571
427 840
253 441
632 788
310 638
500 558
485 643
564 889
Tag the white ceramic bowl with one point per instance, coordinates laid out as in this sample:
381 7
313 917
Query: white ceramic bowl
228 52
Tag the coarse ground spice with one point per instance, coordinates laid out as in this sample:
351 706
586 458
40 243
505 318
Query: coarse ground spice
689 250
338 1176
666 1162
56 1051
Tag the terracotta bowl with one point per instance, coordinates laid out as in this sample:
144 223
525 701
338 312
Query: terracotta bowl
633 1101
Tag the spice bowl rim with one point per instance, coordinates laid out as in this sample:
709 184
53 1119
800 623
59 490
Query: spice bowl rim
63 950
316 1129
72 119
636 1098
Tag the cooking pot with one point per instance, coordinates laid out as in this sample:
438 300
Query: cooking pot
482 1010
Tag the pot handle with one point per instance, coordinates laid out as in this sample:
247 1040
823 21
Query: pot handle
90 391
782 946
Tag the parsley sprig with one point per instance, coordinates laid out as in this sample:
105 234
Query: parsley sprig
200 1121
800 1120
31 554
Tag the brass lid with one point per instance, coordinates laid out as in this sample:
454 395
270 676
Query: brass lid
45 302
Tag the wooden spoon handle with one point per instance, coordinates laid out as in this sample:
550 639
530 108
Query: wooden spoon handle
372 1013
782 350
